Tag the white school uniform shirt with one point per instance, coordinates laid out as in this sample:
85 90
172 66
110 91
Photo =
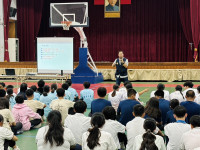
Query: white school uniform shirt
177 95
197 99
174 131
5 134
115 100
106 142
159 142
166 94
114 127
69 140
185 91
78 124
190 139
134 128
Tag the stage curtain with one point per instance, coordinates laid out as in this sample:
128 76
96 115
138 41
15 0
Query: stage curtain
6 6
148 31
29 13
195 23
184 12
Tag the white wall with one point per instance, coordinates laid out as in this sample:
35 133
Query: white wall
1 32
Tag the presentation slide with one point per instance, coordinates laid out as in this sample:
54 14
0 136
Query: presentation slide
55 54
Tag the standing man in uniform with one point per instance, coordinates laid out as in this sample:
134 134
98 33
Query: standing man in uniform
121 64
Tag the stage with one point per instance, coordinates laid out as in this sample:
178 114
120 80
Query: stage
144 71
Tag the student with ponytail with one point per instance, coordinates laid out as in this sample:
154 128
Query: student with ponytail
53 94
148 140
115 97
95 138
177 94
44 98
54 136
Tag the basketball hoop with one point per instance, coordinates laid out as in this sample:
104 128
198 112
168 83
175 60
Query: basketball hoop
66 24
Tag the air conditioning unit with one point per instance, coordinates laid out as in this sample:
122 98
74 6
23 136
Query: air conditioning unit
13 49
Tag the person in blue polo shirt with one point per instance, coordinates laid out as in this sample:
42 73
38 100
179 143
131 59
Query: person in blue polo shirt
121 64
191 107
99 104
163 104
112 6
170 114
125 108
87 94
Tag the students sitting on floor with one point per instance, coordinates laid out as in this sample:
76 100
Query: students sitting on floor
188 85
54 136
95 138
40 84
163 104
36 94
99 104
10 96
161 87
22 92
125 108
34 105
44 98
10 87
148 140
191 107
65 86
53 95
9 121
74 94
87 94
170 114
22 113
113 127
135 126
177 94
78 123
61 104
7 138
174 131
115 97
125 95
197 99
190 139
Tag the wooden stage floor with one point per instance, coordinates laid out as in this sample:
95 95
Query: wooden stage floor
107 65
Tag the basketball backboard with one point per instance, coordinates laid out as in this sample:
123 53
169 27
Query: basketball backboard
77 13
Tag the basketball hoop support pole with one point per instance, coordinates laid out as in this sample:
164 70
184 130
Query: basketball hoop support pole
83 72
84 43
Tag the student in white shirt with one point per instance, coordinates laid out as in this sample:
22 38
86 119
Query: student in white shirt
95 138
190 139
130 86
54 136
177 94
115 96
7 137
161 87
188 85
197 99
175 130
78 123
113 127
149 141
135 126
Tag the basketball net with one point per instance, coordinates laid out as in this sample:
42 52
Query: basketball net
66 24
